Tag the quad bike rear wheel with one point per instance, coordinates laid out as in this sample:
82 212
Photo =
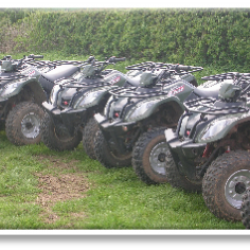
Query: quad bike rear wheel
225 183
107 157
56 137
23 124
148 157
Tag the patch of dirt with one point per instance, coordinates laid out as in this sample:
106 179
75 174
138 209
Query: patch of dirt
59 188
53 162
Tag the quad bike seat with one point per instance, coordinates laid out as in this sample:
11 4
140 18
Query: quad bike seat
207 92
47 79
134 81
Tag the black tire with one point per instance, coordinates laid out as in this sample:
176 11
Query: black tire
88 137
106 157
2 125
245 209
54 140
23 123
224 184
147 163
178 181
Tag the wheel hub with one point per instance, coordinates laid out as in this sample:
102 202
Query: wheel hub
157 158
30 125
236 187
161 157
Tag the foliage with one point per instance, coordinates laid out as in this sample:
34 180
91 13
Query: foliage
189 36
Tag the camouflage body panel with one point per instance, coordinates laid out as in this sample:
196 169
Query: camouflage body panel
114 79
175 92
221 127
17 87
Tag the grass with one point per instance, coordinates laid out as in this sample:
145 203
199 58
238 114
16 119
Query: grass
43 189
115 198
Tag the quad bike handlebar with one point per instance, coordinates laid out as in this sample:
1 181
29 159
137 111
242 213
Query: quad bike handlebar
34 56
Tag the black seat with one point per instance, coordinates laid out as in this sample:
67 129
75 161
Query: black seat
207 92
47 79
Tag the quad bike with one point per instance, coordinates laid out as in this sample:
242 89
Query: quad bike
73 102
132 81
208 151
156 103
148 155
245 209
21 97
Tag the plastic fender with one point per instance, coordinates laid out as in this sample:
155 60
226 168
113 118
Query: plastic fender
151 109
181 89
116 78
188 77
237 119
33 84
101 93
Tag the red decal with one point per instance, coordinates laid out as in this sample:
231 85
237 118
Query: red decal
115 80
176 90
32 72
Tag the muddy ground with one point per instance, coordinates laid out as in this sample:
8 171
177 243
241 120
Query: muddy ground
59 187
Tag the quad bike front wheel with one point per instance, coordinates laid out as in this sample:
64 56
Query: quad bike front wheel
149 155
245 209
56 137
23 124
177 180
88 137
107 157
225 183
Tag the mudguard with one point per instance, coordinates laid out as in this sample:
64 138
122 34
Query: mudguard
220 127
18 85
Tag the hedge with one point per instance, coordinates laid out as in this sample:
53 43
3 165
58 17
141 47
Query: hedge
191 36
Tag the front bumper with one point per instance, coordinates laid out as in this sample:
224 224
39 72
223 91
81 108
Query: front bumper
184 153
117 127
70 117
116 130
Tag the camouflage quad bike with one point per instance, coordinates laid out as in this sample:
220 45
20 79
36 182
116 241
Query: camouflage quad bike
21 96
73 102
129 81
208 152
148 155
245 209
129 113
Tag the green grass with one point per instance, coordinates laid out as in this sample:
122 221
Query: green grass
116 198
